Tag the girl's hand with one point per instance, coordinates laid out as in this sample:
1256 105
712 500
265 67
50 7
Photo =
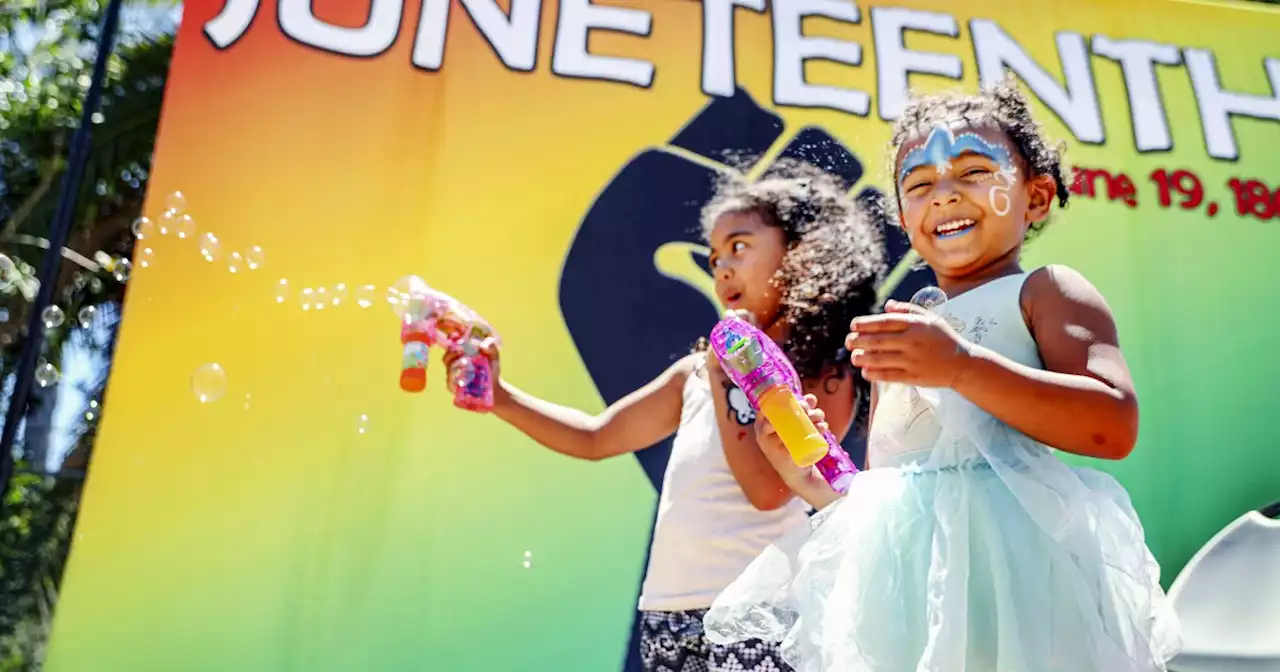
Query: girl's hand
489 348
799 479
907 344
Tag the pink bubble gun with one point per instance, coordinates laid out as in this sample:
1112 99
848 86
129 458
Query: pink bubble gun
432 318
757 366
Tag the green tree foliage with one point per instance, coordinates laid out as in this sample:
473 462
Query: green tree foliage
47 49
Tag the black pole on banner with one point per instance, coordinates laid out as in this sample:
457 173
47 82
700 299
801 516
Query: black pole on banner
58 233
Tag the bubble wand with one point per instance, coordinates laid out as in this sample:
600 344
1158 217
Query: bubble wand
757 366
432 318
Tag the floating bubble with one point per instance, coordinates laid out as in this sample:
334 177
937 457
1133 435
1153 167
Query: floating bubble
209 382
53 317
46 374
8 272
86 315
282 291
362 424
366 295
210 247
321 299
339 294
176 201
235 261
146 257
528 559
246 401
929 298
307 297
183 226
122 269
255 258
143 227
166 221
399 294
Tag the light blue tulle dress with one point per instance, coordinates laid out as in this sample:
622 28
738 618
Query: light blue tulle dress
967 547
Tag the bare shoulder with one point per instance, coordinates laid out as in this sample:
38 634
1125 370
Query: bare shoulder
689 365
1058 290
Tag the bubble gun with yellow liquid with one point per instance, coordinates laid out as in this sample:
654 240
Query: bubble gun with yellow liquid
432 318
759 368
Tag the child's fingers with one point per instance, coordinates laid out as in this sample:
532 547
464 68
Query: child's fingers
883 323
816 415
901 307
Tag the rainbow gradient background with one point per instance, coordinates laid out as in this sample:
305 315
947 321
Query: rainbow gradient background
264 531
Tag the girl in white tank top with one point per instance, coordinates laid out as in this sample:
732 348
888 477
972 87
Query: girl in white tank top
792 252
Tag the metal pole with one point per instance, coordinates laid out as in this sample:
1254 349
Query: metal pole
58 233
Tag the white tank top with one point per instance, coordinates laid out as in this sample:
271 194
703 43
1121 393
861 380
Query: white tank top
706 531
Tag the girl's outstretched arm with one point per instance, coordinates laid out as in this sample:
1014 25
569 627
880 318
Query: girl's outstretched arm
635 421
1084 401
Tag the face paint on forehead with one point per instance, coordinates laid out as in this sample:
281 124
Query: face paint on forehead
943 146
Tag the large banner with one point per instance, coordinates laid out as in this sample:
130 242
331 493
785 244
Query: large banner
264 497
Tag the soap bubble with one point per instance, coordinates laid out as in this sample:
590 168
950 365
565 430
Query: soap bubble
929 298
321 298
122 270
210 247
146 256
183 226
235 261
176 201
46 374
307 297
143 227
366 295
282 291
255 258
209 382
400 294
362 424
166 221
53 317
86 315
339 293
8 272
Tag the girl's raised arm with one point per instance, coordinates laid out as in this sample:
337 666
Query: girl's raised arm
635 421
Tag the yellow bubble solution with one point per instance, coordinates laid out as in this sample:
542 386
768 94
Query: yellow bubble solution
791 421
778 403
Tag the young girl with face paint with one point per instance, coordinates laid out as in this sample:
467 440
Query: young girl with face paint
968 546
793 253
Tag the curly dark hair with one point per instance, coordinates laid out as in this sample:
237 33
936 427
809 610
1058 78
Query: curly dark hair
1002 105
834 255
